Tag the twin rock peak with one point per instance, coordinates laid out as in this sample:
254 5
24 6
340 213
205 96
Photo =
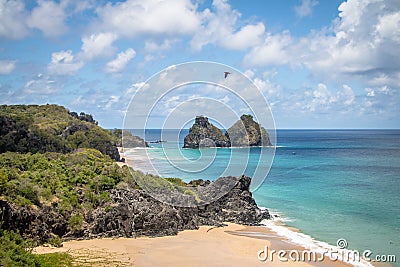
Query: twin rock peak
244 133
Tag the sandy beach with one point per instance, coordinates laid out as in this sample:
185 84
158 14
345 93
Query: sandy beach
232 245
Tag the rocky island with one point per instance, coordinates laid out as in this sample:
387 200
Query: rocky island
245 132
205 134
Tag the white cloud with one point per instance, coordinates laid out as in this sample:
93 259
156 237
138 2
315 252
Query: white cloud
157 51
151 46
64 63
346 96
151 17
113 100
305 8
388 27
40 86
121 61
12 19
323 100
246 37
6 66
97 45
362 44
219 27
274 51
49 17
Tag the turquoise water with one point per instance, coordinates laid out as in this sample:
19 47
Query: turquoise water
330 184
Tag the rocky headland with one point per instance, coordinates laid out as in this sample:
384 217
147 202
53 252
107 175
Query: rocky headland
131 212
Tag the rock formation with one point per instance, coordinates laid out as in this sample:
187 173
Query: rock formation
205 134
247 132
132 212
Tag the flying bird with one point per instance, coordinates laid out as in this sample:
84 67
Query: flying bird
226 73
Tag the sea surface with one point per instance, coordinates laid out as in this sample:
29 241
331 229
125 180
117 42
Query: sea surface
329 184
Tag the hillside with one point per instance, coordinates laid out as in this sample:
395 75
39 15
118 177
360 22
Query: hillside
59 181
52 128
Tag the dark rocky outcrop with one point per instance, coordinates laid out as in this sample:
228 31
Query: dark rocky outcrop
247 132
205 134
39 224
132 212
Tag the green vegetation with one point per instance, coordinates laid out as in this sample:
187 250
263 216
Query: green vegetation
126 139
58 161
55 259
15 251
51 128
72 182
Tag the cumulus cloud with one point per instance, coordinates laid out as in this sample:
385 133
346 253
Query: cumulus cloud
64 63
6 66
12 19
362 42
273 51
152 17
305 8
97 45
49 17
119 63
219 27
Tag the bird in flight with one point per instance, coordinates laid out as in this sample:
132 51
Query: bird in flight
226 73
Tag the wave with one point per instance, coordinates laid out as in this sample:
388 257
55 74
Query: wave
309 243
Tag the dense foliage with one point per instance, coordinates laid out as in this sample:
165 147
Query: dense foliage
53 160
71 182
51 128
15 251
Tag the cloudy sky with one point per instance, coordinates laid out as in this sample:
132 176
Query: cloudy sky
320 64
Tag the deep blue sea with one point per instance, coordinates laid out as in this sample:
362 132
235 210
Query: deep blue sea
329 184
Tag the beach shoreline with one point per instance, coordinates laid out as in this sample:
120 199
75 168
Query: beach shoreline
276 235
231 245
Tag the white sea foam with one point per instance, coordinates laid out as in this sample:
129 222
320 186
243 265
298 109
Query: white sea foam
310 243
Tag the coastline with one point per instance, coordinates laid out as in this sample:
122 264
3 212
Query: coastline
231 245
274 233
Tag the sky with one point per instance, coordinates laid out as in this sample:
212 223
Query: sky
319 64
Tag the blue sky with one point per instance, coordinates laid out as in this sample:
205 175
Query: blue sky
320 64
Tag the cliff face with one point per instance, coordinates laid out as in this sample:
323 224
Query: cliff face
247 132
131 212
205 134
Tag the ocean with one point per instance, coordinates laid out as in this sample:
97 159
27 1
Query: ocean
329 184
